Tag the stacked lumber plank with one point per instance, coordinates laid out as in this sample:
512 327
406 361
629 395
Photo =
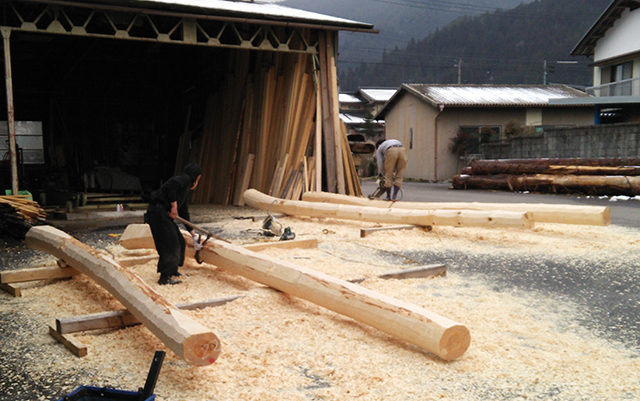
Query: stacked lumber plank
262 130
26 207
606 176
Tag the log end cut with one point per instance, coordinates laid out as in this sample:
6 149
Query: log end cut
454 342
202 349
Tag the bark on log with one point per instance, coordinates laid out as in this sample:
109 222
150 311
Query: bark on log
408 322
546 167
587 184
424 218
542 213
190 340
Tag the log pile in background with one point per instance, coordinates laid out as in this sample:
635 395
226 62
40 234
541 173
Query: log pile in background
610 176
265 128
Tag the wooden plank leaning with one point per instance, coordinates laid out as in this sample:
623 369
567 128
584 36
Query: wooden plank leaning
188 339
424 218
542 213
403 320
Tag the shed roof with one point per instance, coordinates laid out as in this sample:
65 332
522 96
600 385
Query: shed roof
485 95
378 94
262 10
587 44
348 98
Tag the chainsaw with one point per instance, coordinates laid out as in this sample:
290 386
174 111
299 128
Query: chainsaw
380 190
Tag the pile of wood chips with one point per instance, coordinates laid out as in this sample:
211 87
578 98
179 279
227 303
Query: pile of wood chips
524 345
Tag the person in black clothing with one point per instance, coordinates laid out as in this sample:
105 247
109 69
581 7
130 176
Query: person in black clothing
169 202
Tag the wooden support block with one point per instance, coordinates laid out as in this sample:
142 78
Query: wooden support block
417 272
11 289
123 318
137 260
74 346
296 243
366 231
261 218
36 273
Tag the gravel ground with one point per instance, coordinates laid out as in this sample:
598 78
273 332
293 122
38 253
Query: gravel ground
603 289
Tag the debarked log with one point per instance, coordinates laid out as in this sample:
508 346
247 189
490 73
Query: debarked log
542 213
190 340
405 321
588 184
391 215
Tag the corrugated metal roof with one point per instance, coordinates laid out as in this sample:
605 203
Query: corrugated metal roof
350 119
493 95
239 9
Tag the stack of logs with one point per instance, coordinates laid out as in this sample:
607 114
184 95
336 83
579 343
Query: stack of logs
603 176
264 129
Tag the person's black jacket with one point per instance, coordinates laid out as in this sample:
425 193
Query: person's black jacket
175 190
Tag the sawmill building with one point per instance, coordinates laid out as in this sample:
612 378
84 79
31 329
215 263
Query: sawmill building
115 95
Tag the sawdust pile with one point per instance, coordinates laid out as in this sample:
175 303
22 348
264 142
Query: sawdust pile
276 347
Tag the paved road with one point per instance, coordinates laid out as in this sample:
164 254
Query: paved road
623 212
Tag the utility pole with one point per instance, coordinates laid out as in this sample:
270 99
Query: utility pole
544 74
459 65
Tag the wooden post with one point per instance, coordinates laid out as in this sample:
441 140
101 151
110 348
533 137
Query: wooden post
190 340
408 322
11 121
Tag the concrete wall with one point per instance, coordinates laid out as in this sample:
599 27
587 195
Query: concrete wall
614 140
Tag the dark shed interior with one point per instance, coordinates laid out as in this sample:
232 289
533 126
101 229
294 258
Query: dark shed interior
107 104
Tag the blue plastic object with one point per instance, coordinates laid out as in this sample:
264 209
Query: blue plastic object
89 393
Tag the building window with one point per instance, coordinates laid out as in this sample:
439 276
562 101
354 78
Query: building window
479 135
620 80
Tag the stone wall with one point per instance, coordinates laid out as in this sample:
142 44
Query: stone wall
594 141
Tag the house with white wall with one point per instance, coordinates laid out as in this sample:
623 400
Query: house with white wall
427 118
613 43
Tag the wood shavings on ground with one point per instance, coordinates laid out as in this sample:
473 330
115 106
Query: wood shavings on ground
527 341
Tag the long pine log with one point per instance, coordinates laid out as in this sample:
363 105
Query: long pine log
542 213
424 218
187 338
408 322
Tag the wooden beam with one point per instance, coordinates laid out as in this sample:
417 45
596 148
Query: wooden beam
296 243
458 218
137 260
366 231
36 273
11 289
78 348
123 318
542 213
406 321
416 272
187 338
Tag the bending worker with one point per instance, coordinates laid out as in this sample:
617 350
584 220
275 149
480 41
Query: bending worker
169 202
392 158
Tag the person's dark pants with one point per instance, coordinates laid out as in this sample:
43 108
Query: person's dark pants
168 240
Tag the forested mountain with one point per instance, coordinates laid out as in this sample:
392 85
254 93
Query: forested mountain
502 47
397 20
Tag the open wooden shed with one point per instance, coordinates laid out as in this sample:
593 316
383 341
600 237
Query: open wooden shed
142 87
